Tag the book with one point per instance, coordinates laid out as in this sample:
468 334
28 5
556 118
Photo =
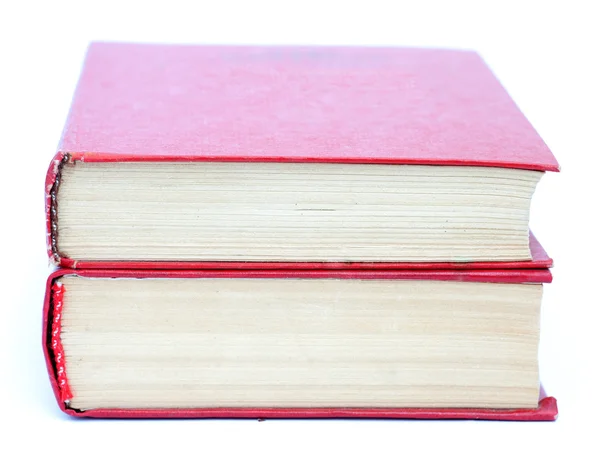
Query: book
296 344
203 157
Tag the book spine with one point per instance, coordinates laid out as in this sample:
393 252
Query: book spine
52 183
58 291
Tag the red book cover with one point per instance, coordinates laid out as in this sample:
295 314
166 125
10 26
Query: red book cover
546 410
138 102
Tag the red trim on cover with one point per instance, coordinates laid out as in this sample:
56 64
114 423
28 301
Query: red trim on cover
546 411
111 157
488 276
58 290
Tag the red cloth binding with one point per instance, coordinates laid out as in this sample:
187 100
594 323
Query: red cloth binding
58 290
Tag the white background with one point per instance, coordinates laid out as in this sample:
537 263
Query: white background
545 53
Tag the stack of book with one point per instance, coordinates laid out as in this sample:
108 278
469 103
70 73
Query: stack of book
294 232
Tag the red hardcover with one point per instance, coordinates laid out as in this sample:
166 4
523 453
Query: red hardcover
546 410
296 104
293 104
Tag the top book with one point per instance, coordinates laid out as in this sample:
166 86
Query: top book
295 157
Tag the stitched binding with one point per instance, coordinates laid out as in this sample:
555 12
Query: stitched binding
54 208
58 290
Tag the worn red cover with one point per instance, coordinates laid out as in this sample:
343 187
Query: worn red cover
292 104
296 104
546 411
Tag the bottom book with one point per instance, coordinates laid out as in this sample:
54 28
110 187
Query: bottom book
297 344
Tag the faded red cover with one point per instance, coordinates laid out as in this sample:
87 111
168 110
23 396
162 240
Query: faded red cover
296 104
292 104
546 411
